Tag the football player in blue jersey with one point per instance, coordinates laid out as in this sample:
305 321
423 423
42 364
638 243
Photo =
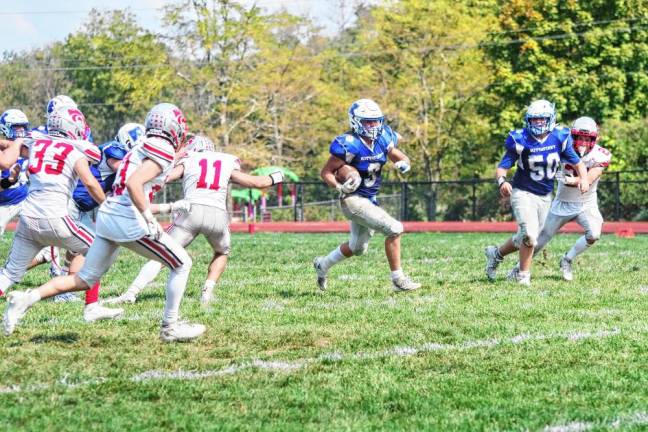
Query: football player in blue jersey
537 150
366 147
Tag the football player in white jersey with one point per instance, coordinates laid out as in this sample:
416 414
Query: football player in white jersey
205 175
570 204
126 219
55 166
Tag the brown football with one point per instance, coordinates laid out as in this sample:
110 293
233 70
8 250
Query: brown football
345 172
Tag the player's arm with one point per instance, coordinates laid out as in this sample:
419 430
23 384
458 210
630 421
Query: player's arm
592 175
176 173
9 152
82 169
400 160
259 182
327 173
135 185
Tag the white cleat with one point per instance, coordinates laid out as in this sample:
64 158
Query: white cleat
181 331
566 268
524 278
94 312
514 273
66 298
126 298
321 273
404 283
207 295
492 262
17 306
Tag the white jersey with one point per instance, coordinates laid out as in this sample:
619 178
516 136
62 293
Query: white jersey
90 150
206 177
52 178
569 200
120 219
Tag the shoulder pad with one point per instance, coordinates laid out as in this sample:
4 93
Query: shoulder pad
89 150
159 151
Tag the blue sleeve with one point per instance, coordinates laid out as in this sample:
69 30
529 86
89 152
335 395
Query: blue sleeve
338 149
391 138
569 154
114 152
510 157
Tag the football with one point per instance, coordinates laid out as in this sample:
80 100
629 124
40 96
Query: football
345 172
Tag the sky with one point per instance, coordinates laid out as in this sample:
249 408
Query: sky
34 23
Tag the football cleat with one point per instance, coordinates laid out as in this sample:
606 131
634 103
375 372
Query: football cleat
513 274
404 283
181 331
321 273
67 297
126 298
492 262
566 268
17 306
94 312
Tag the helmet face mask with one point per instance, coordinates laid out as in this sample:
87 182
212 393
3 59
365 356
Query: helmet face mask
366 118
584 132
130 134
14 124
166 121
537 112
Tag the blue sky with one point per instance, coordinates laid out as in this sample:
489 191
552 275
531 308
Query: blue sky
33 23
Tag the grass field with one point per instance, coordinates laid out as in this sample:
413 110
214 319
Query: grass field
459 354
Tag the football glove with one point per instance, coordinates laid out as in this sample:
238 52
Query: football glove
350 186
402 166
154 228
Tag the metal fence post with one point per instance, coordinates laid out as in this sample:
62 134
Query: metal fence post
403 200
474 196
295 210
617 195
301 202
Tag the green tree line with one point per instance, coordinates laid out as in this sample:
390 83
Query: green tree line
452 76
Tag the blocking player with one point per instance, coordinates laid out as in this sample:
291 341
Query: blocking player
537 150
569 203
205 175
126 219
366 147
55 165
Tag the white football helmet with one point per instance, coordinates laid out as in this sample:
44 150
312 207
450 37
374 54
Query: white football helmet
540 109
199 143
363 110
9 120
67 122
130 135
585 133
165 120
60 101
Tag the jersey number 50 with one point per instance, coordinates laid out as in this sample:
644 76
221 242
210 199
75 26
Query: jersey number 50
540 169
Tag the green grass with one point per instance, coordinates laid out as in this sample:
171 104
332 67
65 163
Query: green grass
459 354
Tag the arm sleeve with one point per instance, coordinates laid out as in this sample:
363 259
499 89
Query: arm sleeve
89 150
114 152
392 138
510 156
569 155
340 150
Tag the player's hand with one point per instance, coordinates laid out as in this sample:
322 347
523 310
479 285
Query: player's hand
154 228
276 177
402 166
583 185
14 172
566 178
181 206
350 186
506 189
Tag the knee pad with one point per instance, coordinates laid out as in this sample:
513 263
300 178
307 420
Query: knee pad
592 238
395 229
529 240
359 249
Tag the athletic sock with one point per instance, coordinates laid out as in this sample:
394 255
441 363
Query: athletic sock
209 284
92 295
332 258
34 296
397 274
578 248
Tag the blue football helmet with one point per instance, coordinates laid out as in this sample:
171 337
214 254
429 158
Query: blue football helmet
364 110
14 124
540 109
130 135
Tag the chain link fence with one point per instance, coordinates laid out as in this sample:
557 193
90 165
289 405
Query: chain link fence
622 195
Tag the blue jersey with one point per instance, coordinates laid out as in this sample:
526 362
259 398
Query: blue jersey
537 162
17 192
102 172
368 161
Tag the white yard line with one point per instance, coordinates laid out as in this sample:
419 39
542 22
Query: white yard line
331 357
621 422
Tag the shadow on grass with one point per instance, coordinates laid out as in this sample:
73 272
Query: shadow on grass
67 338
